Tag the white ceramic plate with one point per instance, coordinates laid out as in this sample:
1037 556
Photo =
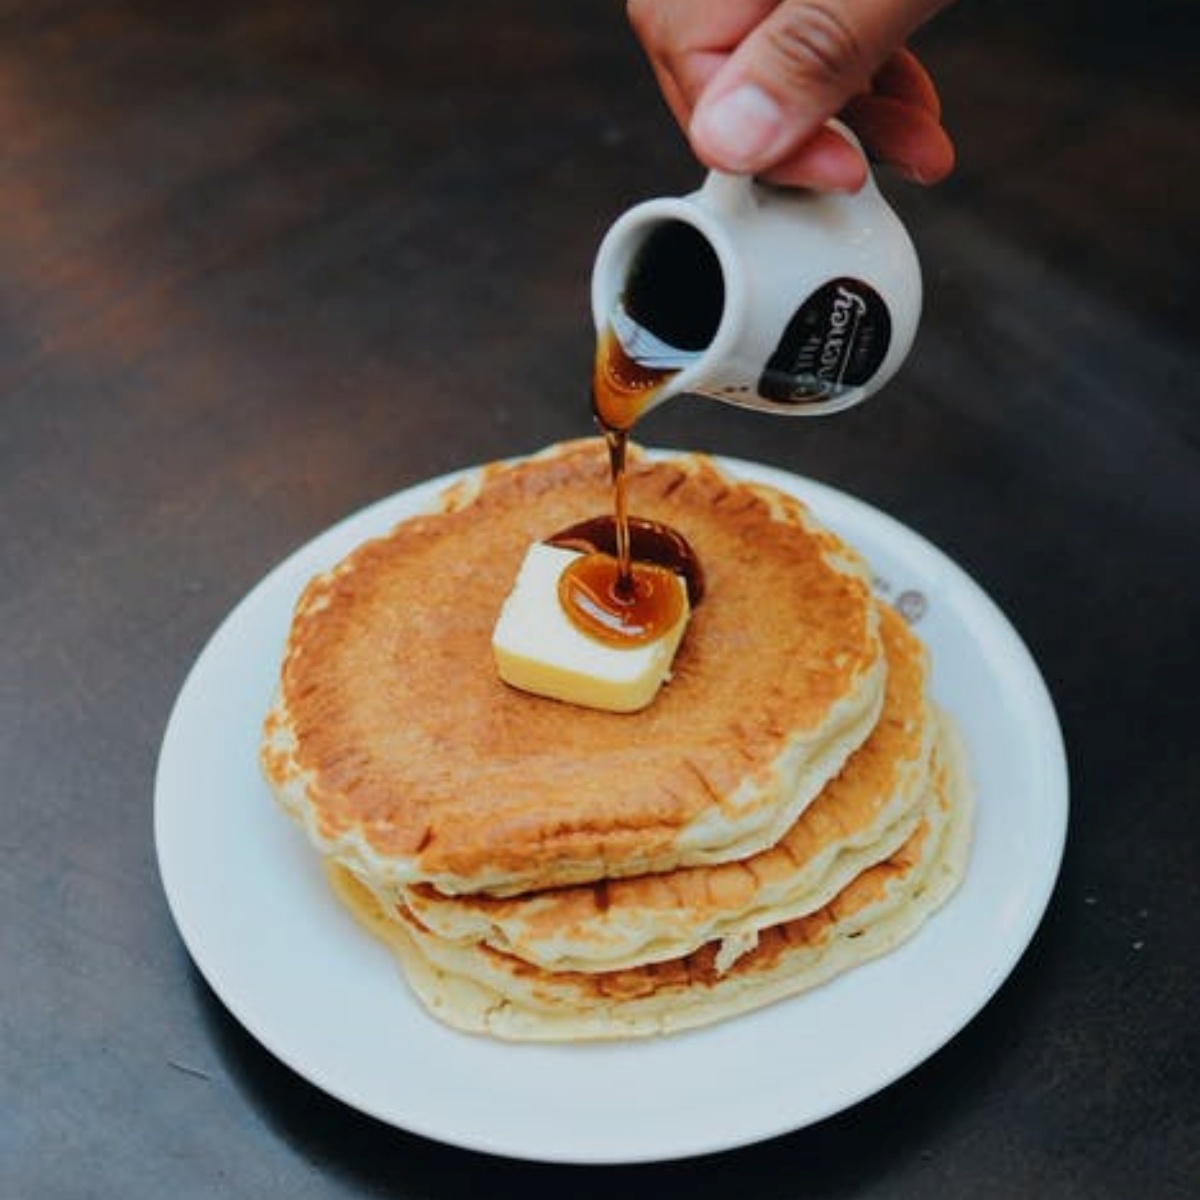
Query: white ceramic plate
250 901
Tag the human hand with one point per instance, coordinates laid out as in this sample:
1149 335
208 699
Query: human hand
753 83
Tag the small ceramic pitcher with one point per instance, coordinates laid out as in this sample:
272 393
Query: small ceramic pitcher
778 299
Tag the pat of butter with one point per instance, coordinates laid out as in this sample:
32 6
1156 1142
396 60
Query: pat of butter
538 649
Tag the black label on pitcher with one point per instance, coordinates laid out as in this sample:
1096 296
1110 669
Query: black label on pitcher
835 342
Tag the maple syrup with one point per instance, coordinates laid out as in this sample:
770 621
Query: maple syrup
668 313
622 389
622 590
616 611
607 593
649 541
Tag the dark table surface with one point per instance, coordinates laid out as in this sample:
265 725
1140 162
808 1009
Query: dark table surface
261 264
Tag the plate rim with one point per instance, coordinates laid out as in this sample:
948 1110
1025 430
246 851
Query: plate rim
323 548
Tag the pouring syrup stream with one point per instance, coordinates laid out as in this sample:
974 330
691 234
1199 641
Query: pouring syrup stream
622 388
666 315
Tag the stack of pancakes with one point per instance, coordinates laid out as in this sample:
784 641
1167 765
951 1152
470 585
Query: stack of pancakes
792 803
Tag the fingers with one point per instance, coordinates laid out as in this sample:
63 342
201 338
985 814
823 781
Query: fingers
826 162
897 121
753 83
902 134
904 78
688 40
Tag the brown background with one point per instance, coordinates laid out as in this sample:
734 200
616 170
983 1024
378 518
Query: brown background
261 263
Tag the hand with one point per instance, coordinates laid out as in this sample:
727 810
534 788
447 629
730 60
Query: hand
753 83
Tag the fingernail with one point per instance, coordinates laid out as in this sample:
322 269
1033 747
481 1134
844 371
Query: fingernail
739 128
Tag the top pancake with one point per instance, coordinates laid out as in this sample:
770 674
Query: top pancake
406 757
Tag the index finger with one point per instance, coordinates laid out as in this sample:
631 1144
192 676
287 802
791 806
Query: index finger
687 41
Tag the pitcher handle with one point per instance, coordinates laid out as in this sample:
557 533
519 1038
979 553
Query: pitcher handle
726 194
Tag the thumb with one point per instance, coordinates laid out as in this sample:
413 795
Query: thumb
792 73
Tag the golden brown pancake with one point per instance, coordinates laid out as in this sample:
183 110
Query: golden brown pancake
406 758
482 990
861 816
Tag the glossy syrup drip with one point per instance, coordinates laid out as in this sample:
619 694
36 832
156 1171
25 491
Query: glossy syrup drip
622 389
649 542
623 589
619 612
606 592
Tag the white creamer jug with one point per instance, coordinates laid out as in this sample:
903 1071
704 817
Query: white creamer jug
778 299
